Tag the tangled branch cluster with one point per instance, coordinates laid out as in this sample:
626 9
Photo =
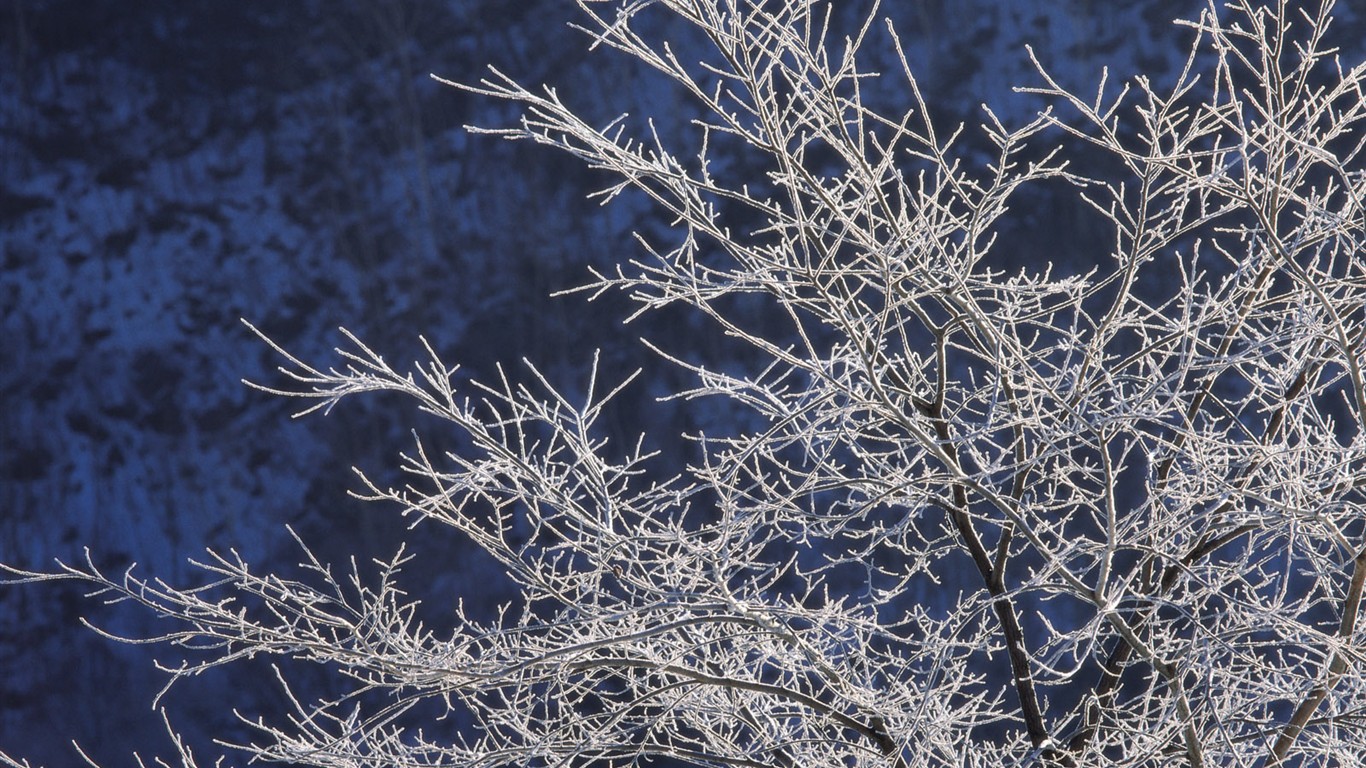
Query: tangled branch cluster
1150 468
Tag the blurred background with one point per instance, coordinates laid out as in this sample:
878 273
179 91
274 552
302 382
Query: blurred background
168 167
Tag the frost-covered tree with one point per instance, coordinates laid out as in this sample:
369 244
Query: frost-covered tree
1137 474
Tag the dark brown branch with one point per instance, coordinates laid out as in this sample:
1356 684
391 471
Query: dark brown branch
1154 586
994 578
1337 664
